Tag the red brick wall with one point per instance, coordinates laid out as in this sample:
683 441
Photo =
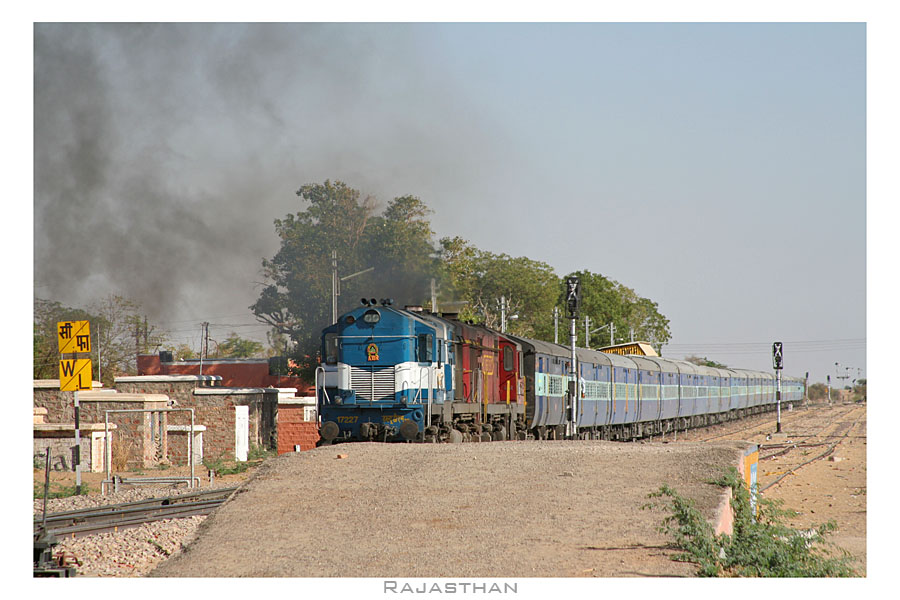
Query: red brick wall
252 373
293 430
178 447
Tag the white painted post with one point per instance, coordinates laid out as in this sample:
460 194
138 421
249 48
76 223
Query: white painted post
241 432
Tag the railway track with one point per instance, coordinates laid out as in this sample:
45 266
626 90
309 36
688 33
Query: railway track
114 517
841 432
761 422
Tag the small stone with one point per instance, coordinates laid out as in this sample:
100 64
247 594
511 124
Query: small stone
341 456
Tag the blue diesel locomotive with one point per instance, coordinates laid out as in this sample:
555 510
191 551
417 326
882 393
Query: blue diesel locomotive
408 375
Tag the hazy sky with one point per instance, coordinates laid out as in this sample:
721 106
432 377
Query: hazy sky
717 169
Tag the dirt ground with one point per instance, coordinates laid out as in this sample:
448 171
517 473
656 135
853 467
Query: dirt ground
832 488
504 509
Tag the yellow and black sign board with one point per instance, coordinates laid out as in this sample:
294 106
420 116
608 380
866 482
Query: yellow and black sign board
75 374
73 336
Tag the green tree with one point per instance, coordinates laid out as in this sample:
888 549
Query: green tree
235 346
182 352
118 331
47 313
481 279
296 299
818 391
859 390
705 362
607 301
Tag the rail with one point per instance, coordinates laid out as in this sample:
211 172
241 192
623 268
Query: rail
113 517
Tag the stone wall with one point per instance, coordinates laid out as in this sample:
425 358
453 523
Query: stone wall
213 408
178 444
138 442
60 439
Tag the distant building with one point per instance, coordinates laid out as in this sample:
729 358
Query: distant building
636 348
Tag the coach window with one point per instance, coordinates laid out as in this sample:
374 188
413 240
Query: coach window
507 358
331 348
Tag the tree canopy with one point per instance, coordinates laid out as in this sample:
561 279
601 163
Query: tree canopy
235 346
117 329
607 301
398 243
296 299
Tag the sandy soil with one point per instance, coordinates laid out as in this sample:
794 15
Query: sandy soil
504 509
832 488
455 509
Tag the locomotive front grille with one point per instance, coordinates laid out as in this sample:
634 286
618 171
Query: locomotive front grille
372 384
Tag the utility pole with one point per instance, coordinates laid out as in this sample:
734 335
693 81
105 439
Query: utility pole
777 357
204 341
587 331
502 314
573 299
434 307
99 357
555 324
806 389
632 335
612 334
334 286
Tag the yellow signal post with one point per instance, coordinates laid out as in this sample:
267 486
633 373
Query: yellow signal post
73 336
75 374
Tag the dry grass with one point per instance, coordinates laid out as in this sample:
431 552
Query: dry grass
122 451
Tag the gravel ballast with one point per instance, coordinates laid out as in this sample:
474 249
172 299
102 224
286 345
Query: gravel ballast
131 552
503 509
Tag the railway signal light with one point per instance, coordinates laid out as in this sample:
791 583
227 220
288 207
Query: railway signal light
573 295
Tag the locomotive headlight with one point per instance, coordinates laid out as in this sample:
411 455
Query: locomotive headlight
371 317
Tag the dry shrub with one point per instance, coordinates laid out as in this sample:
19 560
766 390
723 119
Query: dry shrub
122 451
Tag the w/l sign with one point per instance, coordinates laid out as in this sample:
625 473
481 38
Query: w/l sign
75 375
777 355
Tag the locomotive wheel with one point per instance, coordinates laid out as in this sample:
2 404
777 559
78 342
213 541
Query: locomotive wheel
485 437
455 437
499 434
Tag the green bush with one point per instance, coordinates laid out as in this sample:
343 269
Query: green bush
221 466
764 547
59 491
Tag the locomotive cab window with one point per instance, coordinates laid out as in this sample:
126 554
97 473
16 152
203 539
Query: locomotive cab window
426 352
507 358
331 348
